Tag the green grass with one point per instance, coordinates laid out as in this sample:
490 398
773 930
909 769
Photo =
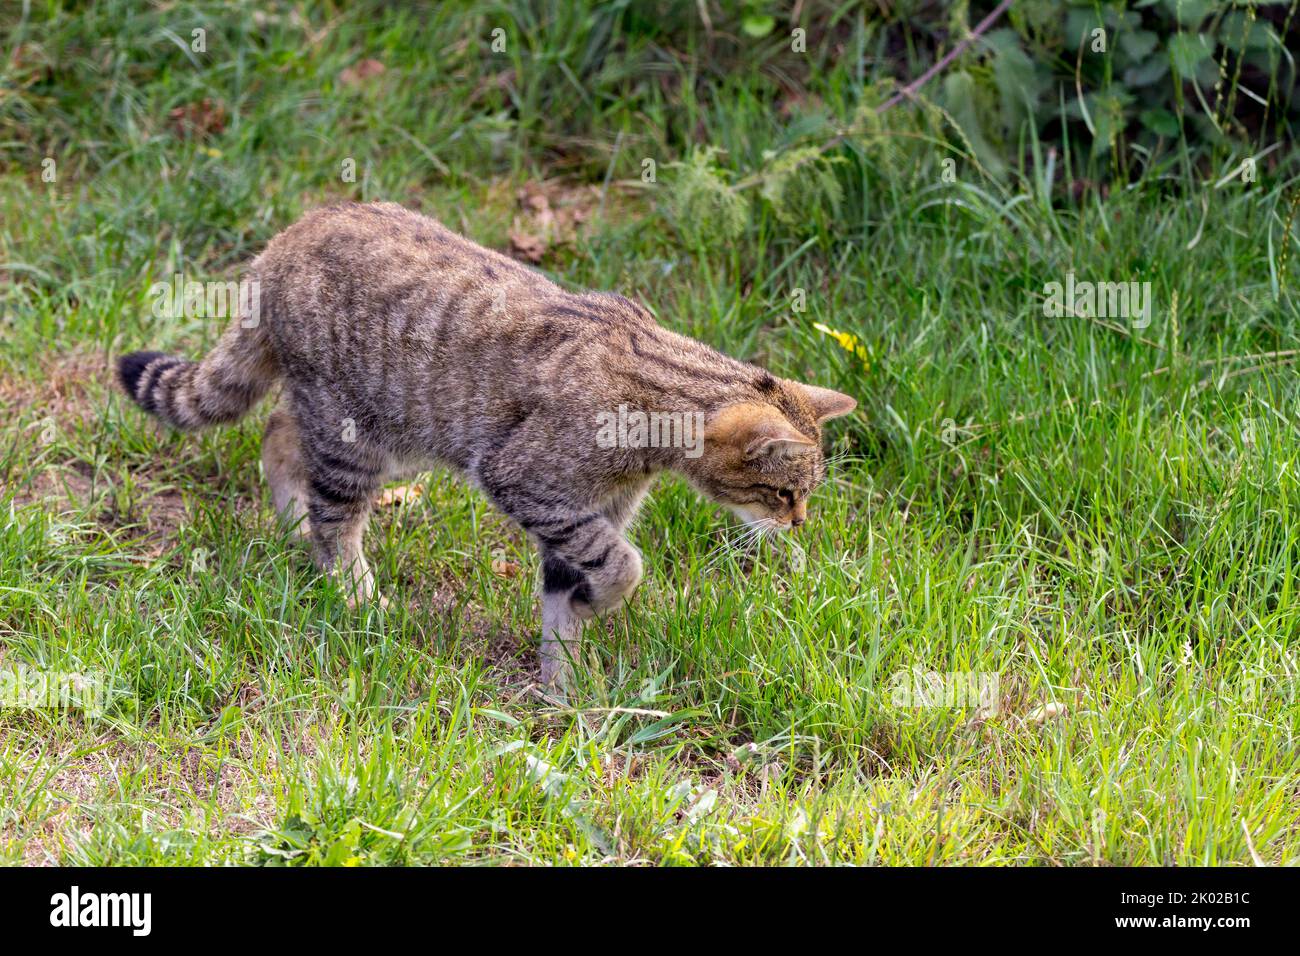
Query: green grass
1103 517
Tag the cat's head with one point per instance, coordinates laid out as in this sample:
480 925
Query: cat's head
763 458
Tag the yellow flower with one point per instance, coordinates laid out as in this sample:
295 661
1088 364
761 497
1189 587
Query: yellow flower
847 341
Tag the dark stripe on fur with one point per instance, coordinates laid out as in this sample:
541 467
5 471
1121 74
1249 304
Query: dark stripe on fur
576 313
131 366
560 575
687 371
598 562
331 493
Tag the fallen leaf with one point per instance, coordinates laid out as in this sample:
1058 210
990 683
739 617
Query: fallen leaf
358 73
526 246
532 197
1048 711
506 569
541 773
400 495
204 118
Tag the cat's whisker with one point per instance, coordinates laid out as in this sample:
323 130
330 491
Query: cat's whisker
712 532
842 458
755 532
715 557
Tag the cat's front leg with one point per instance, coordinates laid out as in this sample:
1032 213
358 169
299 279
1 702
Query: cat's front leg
580 581
561 631
587 567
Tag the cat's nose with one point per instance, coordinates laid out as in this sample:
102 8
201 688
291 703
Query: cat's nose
796 520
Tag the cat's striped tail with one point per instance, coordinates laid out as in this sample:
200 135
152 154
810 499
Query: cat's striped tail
219 389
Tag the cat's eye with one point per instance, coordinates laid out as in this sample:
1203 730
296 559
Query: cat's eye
787 496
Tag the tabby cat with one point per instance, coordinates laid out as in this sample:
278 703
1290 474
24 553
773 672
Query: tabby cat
399 344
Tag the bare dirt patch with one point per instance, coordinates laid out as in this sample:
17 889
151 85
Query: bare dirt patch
63 387
39 410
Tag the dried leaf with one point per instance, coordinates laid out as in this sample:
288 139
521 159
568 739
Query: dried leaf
525 246
534 199
1046 712
506 569
358 73
204 118
400 495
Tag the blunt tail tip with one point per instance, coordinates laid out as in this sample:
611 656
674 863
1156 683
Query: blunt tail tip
131 366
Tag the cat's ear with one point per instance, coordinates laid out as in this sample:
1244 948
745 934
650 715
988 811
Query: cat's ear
757 431
828 403
775 439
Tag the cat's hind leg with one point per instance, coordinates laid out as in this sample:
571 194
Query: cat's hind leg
285 472
342 480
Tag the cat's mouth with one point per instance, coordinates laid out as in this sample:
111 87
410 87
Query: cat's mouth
758 521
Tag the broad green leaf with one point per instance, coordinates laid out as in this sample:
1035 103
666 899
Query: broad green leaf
1020 86
959 93
1188 50
1190 12
1160 122
1137 44
1079 25
1154 69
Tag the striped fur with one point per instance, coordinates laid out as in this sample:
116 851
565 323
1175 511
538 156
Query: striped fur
218 390
399 343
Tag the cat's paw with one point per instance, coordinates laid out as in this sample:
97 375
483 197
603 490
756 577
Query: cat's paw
616 581
557 675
